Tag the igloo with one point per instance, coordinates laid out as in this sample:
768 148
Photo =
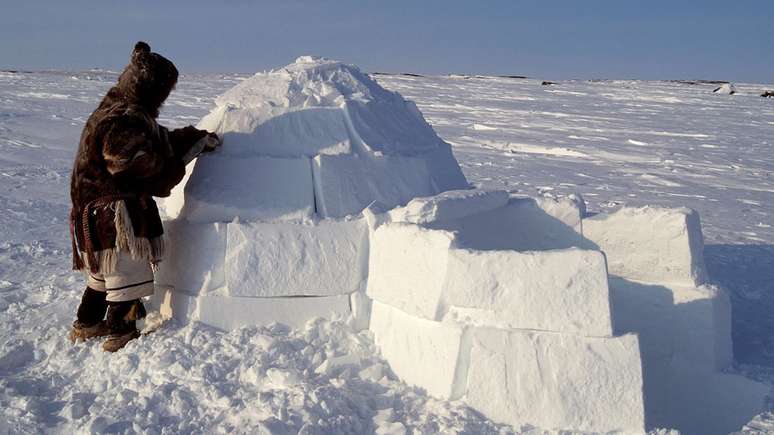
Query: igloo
332 196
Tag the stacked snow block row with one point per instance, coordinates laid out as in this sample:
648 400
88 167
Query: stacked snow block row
234 274
659 291
522 335
226 185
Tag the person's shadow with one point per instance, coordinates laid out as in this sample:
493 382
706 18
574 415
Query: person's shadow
747 273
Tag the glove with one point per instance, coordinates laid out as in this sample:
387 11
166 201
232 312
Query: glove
211 142
207 144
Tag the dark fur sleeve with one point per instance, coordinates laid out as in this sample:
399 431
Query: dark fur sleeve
161 185
131 148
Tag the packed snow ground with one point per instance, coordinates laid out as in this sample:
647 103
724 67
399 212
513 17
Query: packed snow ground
615 142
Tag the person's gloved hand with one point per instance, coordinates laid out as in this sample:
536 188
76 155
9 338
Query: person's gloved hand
211 142
207 144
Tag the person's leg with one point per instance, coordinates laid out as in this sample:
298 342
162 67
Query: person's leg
91 311
132 280
92 308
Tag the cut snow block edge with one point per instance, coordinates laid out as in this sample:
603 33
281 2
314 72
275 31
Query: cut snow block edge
522 224
194 259
407 267
421 352
346 184
650 244
289 259
222 188
453 204
265 131
228 313
557 381
419 271
517 377
559 290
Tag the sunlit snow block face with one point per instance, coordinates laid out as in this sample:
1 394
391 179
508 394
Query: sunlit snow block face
222 188
347 184
522 224
559 290
229 313
557 381
193 261
262 131
286 259
421 352
408 266
650 244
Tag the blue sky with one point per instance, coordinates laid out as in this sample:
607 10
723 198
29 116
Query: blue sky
543 39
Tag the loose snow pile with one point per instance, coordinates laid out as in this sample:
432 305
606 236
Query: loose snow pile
333 197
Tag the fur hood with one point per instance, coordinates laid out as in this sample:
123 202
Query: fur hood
147 80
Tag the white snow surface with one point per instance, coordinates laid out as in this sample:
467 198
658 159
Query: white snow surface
324 138
633 143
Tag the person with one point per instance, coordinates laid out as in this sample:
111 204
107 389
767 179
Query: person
124 159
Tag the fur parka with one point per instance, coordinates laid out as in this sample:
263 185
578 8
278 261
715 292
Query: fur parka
124 159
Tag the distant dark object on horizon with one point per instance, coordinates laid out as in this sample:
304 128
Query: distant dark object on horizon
725 89
513 77
767 94
396 74
699 82
547 83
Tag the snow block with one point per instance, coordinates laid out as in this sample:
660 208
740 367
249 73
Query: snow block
223 188
702 330
391 125
228 313
713 404
449 205
251 132
287 259
421 352
559 290
650 244
193 261
557 381
523 224
445 171
685 341
346 184
407 267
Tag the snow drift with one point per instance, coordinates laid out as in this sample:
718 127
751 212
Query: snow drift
333 197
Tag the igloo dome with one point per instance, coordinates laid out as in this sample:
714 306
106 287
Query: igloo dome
276 211
527 309
317 138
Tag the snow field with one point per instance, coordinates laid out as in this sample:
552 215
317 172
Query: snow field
703 150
